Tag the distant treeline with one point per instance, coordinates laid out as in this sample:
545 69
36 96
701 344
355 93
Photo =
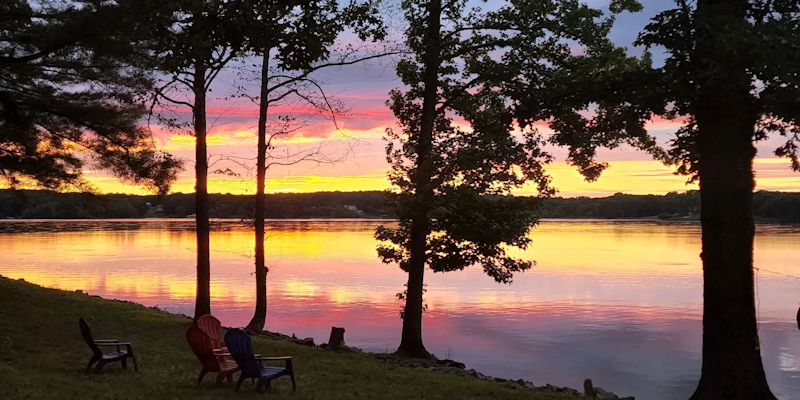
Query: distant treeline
46 204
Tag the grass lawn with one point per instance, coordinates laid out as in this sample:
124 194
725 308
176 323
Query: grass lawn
42 356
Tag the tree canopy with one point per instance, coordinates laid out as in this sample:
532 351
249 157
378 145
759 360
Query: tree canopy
731 77
461 148
71 97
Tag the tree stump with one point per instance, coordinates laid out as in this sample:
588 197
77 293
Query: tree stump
588 389
336 341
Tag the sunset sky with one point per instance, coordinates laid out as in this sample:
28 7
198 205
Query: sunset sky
356 144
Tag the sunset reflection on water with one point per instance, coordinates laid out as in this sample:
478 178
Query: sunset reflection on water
618 302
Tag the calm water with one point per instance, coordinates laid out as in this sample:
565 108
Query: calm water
618 302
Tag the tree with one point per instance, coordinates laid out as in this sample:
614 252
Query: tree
453 184
301 34
731 76
70 96
194 41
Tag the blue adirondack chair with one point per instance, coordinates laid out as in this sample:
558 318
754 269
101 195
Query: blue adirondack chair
251 365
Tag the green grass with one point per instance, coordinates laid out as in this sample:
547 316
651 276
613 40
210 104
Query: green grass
42 356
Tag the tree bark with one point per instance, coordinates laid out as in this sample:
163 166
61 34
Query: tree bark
726 116
411 340
203 300
259 317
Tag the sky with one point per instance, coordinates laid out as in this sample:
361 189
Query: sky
348 155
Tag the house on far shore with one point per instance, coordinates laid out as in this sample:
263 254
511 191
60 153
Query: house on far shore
154 211
352 208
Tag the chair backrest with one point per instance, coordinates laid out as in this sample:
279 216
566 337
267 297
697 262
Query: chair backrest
213 328
241 348
86 332
203 348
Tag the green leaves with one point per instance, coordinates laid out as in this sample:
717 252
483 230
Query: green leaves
71 96
498 72
761 50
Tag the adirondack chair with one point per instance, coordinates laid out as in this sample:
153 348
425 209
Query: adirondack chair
213 328
203 348
102 359
252 365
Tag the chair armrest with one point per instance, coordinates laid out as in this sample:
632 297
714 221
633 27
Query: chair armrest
106 340
222 354
127 345
281 358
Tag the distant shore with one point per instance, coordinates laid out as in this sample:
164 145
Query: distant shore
38 204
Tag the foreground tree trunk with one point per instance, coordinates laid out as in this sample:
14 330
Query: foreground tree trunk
259 316
726 116
411 340
203 299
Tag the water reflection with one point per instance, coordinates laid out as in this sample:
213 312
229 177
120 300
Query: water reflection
618 302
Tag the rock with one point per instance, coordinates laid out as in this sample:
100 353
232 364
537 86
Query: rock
451 363
450 370
79 291
351 349
604 394
501 380
512 384
529 385
306 342
483 377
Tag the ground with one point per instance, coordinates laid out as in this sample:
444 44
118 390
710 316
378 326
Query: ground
42 356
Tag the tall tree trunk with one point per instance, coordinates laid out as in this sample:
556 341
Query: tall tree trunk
411 340
725 114
257 323
203 300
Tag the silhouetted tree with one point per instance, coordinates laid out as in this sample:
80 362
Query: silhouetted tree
70 94
193 42
457 156
732 75
297 36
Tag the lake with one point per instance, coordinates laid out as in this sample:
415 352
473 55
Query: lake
616 301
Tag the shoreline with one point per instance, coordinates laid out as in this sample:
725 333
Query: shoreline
435 365
692 220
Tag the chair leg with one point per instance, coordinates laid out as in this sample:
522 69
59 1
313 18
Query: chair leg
229 377
294 386
259 385
239 383
124 362
133 358
220 377
203 373
99 367
91 362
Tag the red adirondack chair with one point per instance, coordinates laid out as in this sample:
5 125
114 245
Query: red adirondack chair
203 347
213 328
